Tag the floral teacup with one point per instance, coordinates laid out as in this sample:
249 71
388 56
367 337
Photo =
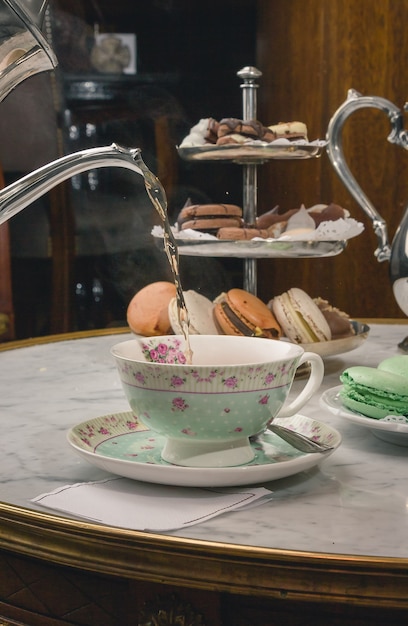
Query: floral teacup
208 410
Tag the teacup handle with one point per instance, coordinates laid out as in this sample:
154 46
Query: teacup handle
312 385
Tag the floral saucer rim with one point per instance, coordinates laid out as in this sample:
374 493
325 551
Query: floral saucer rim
112 442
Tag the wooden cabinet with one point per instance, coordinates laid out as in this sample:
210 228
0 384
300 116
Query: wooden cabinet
54 572
310 54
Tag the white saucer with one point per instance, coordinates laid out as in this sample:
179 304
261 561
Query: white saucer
391 431
339 346
120 444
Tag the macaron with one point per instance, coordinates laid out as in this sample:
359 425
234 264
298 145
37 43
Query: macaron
339 321
200 312
209 217
147 313
238 312
396 365
299 317
375 392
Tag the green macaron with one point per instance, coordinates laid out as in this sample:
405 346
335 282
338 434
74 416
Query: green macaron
376 392
396 365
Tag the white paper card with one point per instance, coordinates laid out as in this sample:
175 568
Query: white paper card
144 506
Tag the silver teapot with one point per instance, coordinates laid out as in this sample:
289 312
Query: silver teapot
397 252
24 51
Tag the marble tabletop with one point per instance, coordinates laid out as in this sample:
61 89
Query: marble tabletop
354 503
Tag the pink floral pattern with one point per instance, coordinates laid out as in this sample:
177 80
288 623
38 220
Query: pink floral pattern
269 378
139 377
179 404
204 379
164 353
106 426
231 382
177 381
188 431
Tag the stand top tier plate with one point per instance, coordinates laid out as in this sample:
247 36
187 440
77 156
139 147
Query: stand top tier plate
253 152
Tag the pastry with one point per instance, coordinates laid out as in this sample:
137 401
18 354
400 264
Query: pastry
339 322
377 392
268 135
200 312
231 130
246 234
327 213
226 221
289 130
277 224
276 230
209 217
248 128
299 224
234 138
147 312
241 234
273 217
211 134
200 134
239 312
299 317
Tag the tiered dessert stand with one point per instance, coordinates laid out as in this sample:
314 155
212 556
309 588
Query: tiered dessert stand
250 156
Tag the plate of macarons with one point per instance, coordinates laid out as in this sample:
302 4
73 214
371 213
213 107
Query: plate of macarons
292 316
340 345
316 325
374 397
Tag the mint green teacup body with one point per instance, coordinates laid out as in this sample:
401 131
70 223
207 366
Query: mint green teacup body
233 388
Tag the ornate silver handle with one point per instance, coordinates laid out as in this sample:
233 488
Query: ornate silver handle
397 135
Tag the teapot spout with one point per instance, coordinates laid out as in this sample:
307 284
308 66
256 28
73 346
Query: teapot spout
20 194
24 51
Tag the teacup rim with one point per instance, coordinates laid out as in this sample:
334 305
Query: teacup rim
294 352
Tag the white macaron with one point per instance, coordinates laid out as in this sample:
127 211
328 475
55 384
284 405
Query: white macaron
200 313
299 317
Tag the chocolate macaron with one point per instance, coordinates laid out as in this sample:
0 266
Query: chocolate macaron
239 312
209 217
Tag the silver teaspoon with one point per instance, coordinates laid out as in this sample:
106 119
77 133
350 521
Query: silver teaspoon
297 440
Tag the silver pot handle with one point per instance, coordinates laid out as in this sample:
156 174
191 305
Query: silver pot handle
335 152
